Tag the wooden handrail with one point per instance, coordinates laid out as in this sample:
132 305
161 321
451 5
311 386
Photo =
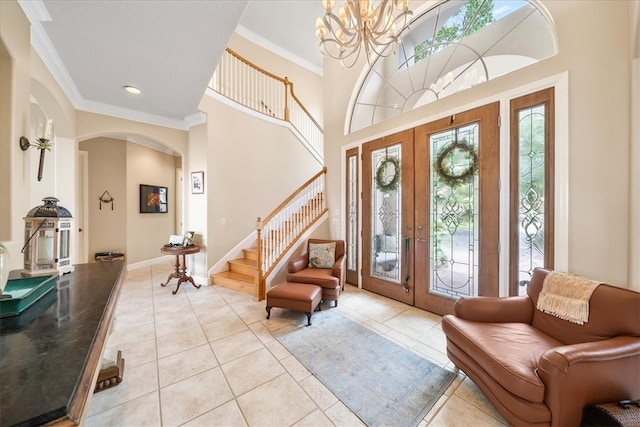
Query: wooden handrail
282 228
254 87
254 66
293 95
294 194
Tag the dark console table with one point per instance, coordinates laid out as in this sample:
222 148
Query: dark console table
50 354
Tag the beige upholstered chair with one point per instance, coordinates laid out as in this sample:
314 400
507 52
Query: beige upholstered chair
329 278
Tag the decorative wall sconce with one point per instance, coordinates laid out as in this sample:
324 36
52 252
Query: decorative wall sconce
47 232
44 134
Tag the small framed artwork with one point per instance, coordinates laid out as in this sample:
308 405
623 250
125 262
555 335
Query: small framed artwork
188 239
153 199
197 182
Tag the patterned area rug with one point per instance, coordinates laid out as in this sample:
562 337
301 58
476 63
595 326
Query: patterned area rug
383 383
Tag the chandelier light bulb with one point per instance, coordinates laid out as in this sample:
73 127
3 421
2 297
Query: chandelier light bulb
328 4
372 26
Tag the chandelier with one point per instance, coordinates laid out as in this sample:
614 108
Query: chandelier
361 24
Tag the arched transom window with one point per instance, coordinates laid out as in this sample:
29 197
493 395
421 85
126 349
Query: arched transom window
451 47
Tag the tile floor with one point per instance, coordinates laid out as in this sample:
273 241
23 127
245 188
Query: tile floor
206 357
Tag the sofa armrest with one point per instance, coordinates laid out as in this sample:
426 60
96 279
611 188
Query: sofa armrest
495 309
558 361
298 263
594 372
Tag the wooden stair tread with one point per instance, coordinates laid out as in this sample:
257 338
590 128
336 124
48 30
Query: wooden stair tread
245 262
234 276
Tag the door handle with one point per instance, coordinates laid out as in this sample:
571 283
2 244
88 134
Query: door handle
407 245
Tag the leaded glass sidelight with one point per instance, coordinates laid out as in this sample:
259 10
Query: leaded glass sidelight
453 200
386 205
531 192
352 212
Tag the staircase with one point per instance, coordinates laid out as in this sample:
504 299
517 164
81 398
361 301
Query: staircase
276 234
242 274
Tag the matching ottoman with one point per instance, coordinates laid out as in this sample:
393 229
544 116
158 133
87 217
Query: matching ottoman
294 296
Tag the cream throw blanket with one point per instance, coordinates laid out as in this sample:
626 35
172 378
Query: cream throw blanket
566 296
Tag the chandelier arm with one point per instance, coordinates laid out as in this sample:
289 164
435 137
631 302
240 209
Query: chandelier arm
382 24
353 36
355 60
357 26
331 21
338 43
330 51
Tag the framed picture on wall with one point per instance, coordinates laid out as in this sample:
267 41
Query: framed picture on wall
153 199
197 182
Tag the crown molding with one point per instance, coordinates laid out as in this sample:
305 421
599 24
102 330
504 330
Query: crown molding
278 50
37 13
35 10
134 115
195 119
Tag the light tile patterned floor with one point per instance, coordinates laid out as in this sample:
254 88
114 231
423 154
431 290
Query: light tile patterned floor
206 357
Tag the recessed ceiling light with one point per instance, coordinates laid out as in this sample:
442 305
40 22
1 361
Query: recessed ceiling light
133 89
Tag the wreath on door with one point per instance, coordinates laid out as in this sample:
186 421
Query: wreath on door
452 155
388 174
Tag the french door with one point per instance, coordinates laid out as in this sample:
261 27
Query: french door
387 216
430 211
457 208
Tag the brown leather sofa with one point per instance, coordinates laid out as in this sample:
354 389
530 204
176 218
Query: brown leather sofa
331 280
540 370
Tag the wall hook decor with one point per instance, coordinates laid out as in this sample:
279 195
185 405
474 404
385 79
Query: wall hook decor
106 198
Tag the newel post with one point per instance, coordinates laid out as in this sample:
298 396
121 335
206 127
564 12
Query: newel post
260 288
287 84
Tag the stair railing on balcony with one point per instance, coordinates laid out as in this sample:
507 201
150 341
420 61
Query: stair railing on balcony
279 230
245 83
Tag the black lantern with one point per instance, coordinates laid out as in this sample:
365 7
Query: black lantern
47 231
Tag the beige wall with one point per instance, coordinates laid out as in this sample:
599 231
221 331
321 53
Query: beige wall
107 227
119 167
634 159
146 233
15 94
592 36
252 166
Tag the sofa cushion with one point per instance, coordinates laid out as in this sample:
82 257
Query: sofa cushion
322 255
509 352
315 276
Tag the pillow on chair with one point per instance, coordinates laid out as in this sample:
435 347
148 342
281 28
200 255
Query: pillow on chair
322 255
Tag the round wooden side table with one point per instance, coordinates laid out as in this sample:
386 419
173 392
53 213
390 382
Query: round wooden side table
180 272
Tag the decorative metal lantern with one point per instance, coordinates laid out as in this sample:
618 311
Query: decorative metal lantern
47 240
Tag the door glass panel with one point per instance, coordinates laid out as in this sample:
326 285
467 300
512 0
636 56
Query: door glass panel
352 212
454 211
386 207
531 192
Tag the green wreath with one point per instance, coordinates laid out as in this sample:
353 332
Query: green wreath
384 184
445 172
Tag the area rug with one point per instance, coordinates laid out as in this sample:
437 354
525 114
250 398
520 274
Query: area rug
383 383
